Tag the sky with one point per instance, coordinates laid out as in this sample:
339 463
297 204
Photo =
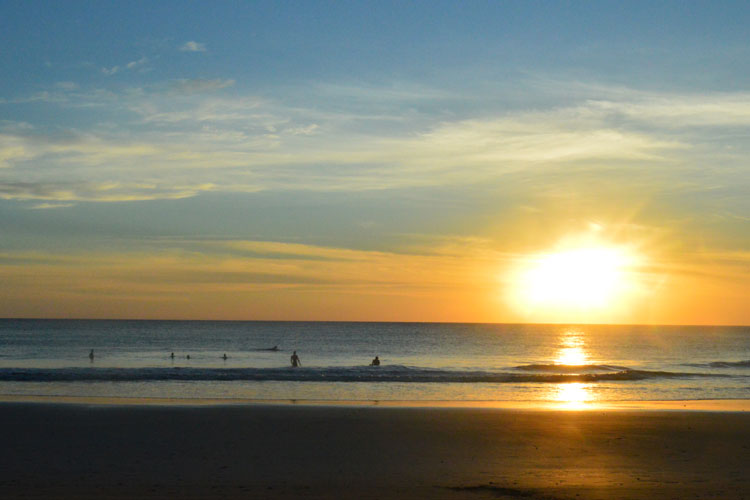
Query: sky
376 161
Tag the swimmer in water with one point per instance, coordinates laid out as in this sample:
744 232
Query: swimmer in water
375 362
295 360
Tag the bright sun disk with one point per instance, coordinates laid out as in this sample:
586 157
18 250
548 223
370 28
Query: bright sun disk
589 278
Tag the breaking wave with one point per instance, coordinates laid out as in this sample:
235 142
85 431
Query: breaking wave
402 374
730 364
722 364
559 368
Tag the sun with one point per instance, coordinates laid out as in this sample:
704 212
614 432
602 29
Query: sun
585 279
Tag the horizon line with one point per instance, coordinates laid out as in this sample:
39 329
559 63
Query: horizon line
365 321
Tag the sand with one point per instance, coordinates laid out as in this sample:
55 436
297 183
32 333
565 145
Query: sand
286 451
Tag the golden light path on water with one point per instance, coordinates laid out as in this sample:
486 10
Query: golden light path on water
572 352
573 396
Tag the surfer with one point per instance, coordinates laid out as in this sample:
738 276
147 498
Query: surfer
295 360
171 355
375 362
224 357
91 355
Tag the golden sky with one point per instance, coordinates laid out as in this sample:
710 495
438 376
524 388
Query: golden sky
580 163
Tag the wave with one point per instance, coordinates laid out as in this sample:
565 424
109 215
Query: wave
559 368
722 364
402 374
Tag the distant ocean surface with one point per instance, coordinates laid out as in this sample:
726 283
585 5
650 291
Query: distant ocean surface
574 364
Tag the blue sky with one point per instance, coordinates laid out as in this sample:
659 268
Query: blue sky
465 135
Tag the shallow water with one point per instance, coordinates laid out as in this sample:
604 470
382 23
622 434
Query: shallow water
420 361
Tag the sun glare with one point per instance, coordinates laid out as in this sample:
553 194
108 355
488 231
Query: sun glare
573 356
573 396
586 279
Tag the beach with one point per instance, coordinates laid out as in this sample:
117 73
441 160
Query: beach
64 450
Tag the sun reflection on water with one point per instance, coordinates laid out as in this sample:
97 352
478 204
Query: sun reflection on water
572 356
572 352
573 395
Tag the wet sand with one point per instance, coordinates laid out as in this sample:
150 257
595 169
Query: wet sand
278 452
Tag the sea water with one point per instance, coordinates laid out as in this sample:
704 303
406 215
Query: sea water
419 361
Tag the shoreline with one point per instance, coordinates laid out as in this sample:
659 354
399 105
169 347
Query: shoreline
711 405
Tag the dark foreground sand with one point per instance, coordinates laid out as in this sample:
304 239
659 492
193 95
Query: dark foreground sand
106 451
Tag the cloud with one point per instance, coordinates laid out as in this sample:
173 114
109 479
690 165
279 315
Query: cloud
222 265
197 85
136 64
192 46
15 127
180 134
306 130
14 148
132 65
247 145
529 139
681 111
43 96
67 85
95 192
46 206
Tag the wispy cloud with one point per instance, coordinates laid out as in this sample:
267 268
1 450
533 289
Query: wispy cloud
48 206
219 267
130 66
680 111
196 85
67 85
14 148
183 133
192 46
96 192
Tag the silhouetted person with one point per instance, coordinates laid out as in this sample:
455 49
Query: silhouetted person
91 355
375 362
295 360
187 357
224 357
171 355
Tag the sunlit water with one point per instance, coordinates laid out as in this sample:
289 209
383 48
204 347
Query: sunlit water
573 365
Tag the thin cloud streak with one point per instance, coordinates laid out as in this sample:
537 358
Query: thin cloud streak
130 66
192 46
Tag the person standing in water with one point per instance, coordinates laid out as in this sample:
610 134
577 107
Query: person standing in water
375 362
91 355
295 360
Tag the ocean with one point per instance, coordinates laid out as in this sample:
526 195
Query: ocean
569 364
